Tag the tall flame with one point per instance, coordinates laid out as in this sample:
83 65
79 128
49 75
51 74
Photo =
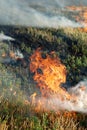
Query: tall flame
49 74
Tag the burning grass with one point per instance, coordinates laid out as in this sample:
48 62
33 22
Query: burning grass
49 73
20 116
81 17
42 103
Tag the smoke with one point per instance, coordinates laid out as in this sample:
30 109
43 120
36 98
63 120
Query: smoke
79 104
80 95
13 89
61 4
35 13
5 37
80 91
53 103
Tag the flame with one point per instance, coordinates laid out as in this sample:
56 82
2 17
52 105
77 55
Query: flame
49 74
81 17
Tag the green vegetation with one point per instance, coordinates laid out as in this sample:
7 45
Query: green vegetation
16 83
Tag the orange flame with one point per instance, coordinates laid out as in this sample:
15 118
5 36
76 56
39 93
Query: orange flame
49 73
81 17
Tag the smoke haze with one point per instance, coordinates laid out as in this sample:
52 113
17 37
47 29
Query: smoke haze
45 13
79 105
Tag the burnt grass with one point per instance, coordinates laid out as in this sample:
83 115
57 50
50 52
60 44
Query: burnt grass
70 45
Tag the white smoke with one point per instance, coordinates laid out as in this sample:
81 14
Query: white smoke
61 4
5 37
80 91
19 12
80 102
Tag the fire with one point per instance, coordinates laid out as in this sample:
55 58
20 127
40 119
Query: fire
49 74
81 17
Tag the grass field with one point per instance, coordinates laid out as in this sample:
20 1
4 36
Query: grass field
16 81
